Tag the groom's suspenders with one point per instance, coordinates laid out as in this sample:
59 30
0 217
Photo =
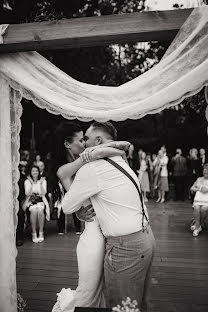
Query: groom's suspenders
113 163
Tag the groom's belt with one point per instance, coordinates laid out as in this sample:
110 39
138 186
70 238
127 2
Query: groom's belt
127 237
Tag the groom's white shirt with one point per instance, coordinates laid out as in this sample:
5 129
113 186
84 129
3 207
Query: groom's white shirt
114 197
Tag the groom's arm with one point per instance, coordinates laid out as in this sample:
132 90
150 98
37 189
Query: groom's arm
84 186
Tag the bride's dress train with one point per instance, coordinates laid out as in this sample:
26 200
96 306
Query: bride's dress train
90 257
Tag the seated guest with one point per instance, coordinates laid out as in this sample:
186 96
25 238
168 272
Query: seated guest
200 204
36 203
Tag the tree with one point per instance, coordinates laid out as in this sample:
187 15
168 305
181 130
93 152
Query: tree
111 65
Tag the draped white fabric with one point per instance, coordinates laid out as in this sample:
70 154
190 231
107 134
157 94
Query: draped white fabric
182 72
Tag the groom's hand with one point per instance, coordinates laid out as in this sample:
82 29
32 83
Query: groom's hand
86 213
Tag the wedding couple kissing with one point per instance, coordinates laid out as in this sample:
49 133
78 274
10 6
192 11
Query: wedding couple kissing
115 251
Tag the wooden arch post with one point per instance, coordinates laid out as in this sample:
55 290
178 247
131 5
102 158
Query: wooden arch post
8 293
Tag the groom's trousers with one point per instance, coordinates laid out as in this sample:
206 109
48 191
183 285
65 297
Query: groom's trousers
127 268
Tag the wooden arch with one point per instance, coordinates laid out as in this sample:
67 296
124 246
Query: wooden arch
74 33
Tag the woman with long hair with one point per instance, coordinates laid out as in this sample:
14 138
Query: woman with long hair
91 246
36 203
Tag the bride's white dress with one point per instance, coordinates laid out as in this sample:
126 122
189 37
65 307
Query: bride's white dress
90 257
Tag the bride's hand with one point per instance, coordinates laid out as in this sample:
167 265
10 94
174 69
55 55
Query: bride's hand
91 155
99 151
86 155
122 145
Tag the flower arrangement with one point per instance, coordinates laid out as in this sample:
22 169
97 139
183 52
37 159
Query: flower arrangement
21 304
127 306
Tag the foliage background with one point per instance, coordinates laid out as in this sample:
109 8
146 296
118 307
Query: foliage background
184 126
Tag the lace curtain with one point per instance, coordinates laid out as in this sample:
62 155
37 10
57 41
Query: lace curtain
183 71
9 145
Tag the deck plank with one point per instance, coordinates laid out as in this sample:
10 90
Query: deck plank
180 268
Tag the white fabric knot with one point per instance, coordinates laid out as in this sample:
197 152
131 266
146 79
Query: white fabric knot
3 29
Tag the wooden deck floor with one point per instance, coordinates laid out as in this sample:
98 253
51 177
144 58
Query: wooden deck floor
180 271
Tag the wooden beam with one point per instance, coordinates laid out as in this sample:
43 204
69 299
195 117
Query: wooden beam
94 31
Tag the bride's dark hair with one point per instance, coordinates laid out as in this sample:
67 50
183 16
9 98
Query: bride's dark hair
66 131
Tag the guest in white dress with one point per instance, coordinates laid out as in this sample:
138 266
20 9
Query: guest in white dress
163 185
200 204
161 175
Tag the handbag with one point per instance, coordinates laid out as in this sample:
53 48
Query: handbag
30 200
35 198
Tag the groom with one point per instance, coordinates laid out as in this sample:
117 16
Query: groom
129 240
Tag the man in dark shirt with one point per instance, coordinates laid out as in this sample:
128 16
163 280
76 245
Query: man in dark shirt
179 171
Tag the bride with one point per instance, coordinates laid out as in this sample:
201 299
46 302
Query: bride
70 157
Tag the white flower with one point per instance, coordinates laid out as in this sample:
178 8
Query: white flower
127 306
66 299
